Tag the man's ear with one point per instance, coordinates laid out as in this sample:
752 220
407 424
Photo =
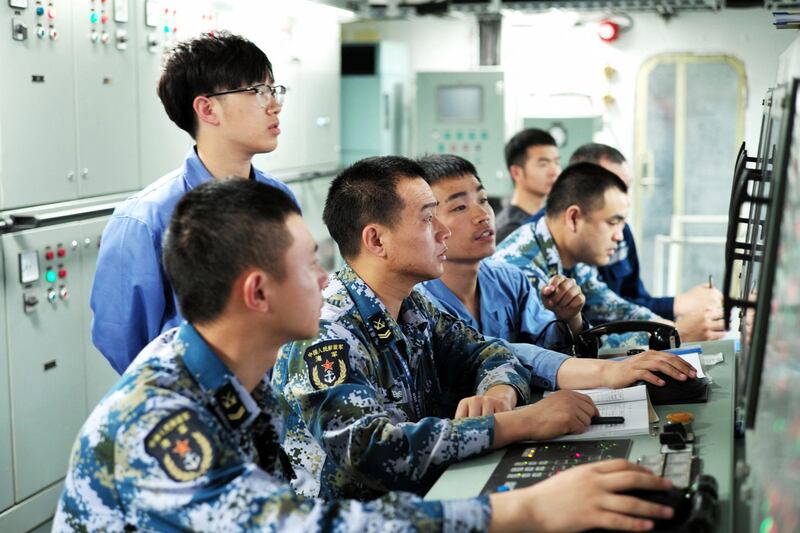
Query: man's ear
516 173
256 290
205 110
571 216
372 239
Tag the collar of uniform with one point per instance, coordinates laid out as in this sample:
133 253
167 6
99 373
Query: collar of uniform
374 314
437 289
217 381
195 171
548 248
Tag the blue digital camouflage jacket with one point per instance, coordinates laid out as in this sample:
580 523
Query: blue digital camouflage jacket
178 444
532 249
368 402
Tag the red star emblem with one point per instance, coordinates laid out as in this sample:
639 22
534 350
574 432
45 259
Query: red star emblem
181 447
327 365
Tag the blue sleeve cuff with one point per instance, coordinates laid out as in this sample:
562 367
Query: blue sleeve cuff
664 307
543 364
461 516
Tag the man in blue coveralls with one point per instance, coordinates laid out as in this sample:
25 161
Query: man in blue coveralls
498 300
220 90
188 439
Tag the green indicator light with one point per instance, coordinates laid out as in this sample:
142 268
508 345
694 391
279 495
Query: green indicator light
50 276
766 525
166 29
93 17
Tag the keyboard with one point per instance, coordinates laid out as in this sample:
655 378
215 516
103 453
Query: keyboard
527 463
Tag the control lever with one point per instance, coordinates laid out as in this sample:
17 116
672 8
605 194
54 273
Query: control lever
703 505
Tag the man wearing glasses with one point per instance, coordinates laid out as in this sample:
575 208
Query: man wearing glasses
220 90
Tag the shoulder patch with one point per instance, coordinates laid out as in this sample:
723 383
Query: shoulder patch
180 446
381 327
232 405
327 363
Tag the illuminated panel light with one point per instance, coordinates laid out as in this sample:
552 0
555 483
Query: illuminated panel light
608 31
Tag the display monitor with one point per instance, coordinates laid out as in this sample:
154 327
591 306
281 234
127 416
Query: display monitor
773 406
783 149
459 103
744 245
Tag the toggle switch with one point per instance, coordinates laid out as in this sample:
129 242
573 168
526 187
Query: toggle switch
52 296
29 302
19 30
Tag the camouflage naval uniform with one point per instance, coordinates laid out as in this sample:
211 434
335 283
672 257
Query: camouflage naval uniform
178 444
368 402
532 249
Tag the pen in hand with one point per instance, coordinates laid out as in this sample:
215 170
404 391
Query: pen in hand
596 420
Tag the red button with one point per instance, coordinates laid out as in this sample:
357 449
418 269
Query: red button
104 19
49 255
61 252
51 13
62 273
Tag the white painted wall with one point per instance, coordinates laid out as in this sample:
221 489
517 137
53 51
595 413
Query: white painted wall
546 54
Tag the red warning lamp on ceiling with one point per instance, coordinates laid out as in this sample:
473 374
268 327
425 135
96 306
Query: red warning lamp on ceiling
608 31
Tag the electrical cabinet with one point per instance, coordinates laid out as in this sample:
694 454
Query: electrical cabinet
38 159
462 113
105 85
44 325
68 102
